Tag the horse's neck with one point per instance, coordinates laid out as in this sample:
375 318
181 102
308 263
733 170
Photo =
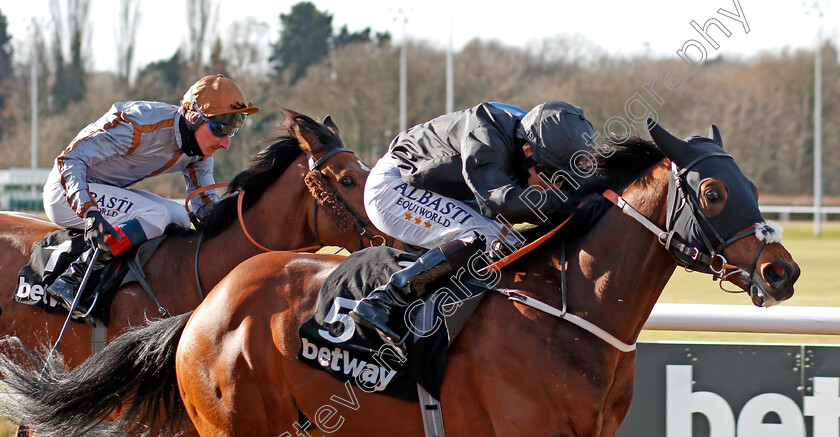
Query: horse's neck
617 271
622 265
278 220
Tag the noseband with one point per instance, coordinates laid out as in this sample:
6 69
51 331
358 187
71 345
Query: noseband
719 268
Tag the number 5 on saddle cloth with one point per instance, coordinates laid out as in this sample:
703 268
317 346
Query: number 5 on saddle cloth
331 341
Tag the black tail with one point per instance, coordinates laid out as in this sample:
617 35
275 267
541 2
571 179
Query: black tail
137 368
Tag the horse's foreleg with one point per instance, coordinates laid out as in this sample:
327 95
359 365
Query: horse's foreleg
620 395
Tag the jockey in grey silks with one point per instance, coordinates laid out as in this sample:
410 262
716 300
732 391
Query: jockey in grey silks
88 187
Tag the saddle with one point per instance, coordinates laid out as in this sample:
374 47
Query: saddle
332 342
53 255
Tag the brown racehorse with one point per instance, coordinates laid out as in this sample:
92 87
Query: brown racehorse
278 212
513 370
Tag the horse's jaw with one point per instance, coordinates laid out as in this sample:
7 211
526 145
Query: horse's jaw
755 288
760 297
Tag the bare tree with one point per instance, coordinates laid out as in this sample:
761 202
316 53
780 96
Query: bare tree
126 37
246 48
70 29
200 16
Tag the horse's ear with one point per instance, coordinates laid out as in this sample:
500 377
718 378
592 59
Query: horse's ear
308 141
289 123
330 124
673 147
714 134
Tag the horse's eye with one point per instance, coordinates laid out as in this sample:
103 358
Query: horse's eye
712 195
347 181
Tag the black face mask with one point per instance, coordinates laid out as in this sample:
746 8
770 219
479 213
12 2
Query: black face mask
709 235
189 145
694 161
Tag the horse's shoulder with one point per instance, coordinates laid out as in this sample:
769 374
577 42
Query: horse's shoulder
268 283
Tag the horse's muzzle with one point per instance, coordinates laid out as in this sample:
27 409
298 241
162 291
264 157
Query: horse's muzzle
773 283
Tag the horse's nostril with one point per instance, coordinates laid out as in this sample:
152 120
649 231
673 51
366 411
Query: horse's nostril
775 274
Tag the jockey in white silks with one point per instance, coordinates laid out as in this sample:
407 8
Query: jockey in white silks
455 184
88 187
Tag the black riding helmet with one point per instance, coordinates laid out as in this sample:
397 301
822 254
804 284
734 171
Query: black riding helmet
555 131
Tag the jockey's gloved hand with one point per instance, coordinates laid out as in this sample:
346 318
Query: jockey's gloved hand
96 228
499 249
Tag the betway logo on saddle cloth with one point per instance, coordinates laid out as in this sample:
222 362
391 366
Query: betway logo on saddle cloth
366 374
331 341
50 258
355 360
425 208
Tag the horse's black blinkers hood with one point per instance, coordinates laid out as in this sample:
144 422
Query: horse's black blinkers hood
693 161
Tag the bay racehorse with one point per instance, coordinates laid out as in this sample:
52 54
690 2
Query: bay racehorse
518 367
297 175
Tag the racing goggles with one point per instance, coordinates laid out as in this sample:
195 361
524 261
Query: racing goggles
224 125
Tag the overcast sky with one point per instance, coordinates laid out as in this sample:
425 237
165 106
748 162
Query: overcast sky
620 27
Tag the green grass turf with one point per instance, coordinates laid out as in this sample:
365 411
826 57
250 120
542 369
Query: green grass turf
819 260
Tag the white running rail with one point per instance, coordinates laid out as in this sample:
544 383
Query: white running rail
744 318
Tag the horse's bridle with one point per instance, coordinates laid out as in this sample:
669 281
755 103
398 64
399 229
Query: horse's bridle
715 251
709 259
712 262
359 222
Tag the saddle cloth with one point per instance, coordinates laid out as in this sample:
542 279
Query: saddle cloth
331 341
54 254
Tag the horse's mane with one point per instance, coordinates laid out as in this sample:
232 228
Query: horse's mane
631 158
267 166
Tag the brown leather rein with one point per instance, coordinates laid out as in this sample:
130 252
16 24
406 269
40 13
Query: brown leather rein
240 218
313 165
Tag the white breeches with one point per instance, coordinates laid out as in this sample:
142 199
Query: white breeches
117 205
420 217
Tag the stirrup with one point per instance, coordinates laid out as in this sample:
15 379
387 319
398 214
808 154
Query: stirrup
363 318
399 347
86 315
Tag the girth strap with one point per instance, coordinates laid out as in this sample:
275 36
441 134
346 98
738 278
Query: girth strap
98 338
431 412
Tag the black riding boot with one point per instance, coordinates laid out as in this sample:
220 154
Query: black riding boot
408 285
65 287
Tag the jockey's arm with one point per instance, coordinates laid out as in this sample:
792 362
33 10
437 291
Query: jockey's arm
487 171
92 147
197 175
